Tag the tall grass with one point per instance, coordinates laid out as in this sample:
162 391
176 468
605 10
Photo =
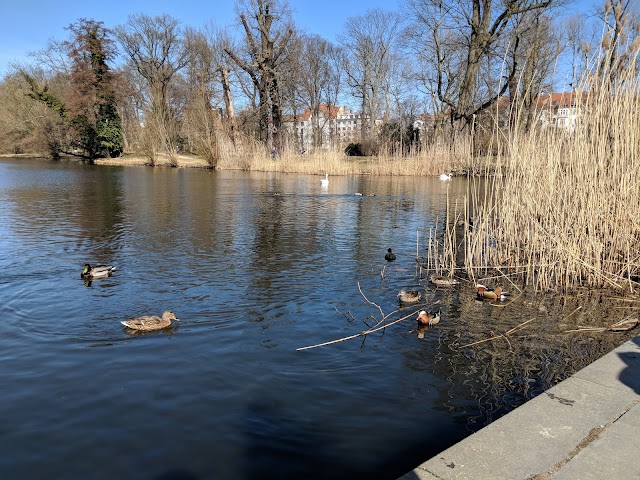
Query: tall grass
564 210
433 160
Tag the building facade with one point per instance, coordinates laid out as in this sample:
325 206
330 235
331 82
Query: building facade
336 127
560 110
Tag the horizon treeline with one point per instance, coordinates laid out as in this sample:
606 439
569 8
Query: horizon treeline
155 86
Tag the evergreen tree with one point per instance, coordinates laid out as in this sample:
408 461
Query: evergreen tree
94 115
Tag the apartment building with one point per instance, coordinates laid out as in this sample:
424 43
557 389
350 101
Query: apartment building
337 126
560 110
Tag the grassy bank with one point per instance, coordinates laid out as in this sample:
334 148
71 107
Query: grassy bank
432 162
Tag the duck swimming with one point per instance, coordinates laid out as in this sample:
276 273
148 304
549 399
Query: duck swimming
483 292
390 256
149 323
429 318
443 281
409 296
99 271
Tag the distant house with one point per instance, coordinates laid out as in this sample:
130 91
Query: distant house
337 127
560 110
424 123
556 110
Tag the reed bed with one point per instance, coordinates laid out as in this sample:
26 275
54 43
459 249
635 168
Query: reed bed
563 210
251 155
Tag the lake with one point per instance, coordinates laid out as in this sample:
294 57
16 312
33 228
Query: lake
255 265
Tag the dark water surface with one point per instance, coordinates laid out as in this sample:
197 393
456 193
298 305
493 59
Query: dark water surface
252 276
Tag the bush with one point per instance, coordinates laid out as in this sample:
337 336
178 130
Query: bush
354 150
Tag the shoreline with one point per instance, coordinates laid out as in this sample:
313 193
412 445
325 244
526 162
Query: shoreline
181 161
583 427
127 160
317 164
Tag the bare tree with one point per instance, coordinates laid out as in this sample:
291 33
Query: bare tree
27 125
267 29
155 48
437 47
476 27
319 78
576 46
533 48
221 40
201 121
222 71
369 41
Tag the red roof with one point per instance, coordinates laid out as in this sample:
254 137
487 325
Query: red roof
562 99
329 110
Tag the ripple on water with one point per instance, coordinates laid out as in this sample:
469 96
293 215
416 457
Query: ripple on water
252 277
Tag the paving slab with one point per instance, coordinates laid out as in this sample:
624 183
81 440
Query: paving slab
618 369
608 456
564 433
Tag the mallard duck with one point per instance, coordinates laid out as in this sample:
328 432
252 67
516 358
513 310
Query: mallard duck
99 271
390 256
325 181
409 296
497 293
151 322
429 318
443 281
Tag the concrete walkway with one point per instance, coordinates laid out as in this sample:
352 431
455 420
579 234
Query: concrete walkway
586 427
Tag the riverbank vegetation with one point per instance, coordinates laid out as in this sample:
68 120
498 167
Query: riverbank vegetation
436 92
419 84
563 212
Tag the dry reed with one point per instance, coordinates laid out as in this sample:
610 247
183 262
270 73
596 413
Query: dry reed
251 155
563 207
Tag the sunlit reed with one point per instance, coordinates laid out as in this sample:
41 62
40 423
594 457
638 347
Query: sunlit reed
563 210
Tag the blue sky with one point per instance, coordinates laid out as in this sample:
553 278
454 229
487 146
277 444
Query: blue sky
27 25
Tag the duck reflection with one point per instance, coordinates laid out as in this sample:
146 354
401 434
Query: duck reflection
165 331
421 330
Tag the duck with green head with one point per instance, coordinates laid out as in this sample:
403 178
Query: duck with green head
97 271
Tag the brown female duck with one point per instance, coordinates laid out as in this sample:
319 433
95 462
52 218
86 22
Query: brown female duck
149 323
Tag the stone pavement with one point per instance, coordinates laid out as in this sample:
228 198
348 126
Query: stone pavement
584 428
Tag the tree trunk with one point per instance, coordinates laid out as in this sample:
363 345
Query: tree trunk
228 102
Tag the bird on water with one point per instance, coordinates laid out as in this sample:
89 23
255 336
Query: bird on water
97 271
409 296
149 323
429 318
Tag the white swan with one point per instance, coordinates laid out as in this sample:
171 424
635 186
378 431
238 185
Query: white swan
445 176
325 181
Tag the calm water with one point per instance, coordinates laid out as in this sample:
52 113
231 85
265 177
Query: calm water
252 276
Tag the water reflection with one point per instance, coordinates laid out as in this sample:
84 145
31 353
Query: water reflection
253 276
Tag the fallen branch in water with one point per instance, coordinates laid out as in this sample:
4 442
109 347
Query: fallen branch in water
621 326
501 335
361 334
370 302
572 313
